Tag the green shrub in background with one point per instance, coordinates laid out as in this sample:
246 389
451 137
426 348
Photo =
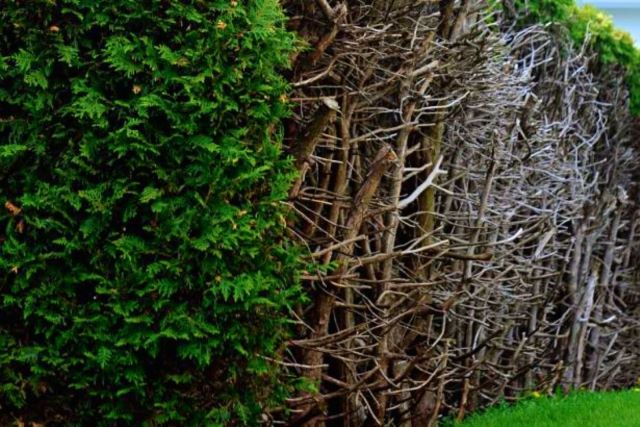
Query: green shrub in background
613 46
143 269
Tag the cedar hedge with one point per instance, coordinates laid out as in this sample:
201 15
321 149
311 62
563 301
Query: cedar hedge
144 271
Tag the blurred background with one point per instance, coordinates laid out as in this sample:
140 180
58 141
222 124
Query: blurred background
626 14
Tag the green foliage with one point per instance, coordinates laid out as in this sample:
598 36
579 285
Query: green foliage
144 271
613 46
546 10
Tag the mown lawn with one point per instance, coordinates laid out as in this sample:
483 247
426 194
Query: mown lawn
615 409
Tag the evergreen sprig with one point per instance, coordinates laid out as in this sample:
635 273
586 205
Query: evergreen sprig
144 271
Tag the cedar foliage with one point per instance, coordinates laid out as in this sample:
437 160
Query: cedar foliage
143 268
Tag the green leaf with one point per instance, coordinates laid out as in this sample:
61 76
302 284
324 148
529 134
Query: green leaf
150 193
11 150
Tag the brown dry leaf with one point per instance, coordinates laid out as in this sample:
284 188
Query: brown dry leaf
448 303
13 209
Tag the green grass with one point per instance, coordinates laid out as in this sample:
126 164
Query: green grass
614 409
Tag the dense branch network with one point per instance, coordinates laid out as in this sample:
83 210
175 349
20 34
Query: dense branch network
466 196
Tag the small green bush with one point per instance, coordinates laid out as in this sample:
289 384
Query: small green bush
143 268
